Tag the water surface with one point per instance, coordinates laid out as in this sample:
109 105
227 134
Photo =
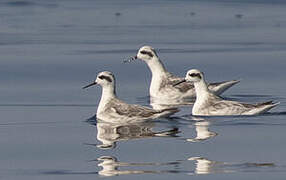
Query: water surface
50 49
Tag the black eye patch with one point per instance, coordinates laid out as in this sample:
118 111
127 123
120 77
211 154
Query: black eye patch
147 52
195 75
105 77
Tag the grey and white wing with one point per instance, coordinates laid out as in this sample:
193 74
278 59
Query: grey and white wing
183 87
130 110
229 107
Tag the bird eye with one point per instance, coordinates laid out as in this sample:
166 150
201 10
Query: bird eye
105 77
195 75
147 52
143 52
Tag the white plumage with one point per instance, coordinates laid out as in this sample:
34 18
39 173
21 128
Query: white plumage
111 109
209 104
161 87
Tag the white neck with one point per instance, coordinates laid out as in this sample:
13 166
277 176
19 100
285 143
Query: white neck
156 66
201 88
158 72
108 92
202 93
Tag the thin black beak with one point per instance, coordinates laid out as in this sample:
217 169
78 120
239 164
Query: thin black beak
130 59
179 82
91 84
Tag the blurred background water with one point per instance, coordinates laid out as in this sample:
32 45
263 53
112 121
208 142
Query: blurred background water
50 49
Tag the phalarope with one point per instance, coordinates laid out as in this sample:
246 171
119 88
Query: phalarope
111 109
209 104
161 87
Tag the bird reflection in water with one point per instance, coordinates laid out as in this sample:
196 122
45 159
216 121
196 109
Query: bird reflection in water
110 134
206 166
201 126
202 132
110 167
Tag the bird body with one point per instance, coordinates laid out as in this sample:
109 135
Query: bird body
111 109
161 87
209 104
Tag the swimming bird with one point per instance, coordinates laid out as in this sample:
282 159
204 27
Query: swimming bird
161 87
209 104
111 109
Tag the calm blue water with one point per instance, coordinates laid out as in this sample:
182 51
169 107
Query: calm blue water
50 49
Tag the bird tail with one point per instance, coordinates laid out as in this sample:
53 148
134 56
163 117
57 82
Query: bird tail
167 112
219 87
266 106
